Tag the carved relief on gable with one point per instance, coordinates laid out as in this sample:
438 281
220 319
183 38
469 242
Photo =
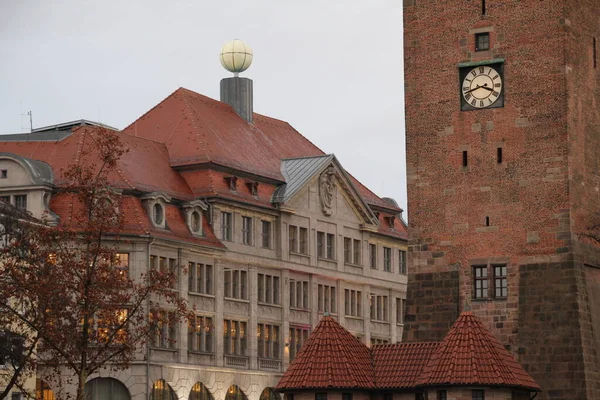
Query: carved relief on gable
327 190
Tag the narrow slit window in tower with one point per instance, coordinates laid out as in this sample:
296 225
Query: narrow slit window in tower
595 54
465 159
499 155
483 10
487 221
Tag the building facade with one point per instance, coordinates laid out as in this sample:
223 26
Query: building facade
267 232
503 179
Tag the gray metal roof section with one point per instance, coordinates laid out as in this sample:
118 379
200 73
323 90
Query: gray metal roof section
40 172
51 133
297 171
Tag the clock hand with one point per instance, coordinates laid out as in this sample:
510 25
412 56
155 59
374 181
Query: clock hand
469 91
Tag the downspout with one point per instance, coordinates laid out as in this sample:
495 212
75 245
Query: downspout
147 310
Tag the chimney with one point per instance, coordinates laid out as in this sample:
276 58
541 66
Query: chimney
236 57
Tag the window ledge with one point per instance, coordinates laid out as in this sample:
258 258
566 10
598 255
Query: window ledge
237 300
399 323
300 309
293 253
262 303
379 321
490 299
353 317
201 353
329 260
163 349
211 296
352 264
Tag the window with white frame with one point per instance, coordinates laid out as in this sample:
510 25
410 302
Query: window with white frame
353 302
373 255
247 230
226 226
200 334
387 259
379 307
235 284
326 298
268 289
400 304
298 336
402 262
165 330
299 294
266 234
200 278
235 340
268 341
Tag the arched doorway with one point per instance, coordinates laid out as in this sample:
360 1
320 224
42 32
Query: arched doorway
235 393
200 392
270 393
161 390
106 389
43 391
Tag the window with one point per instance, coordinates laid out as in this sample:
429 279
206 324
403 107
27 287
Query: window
200 278
375 341
298 336
442 395
226 226
166 266
595 53
478 394
400 310
500 281
5 198
247 230
465 159
480 282
234 337
200 334
346 396
303 241
326 298
232 182
165 330
266 234
482 41
4 172
268 341
16 396
299 294
356 251
379 307
499 155
320 396
373 256
388 396
122 264
353 303
21 201
293 240
347 250
195 222
330 246
402 262
268 289
387 259
321 244
236 283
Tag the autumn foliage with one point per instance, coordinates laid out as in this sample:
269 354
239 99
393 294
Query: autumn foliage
65 290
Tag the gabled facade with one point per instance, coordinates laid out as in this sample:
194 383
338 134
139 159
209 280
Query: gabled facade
267 231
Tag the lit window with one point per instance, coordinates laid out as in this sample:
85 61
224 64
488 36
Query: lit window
234 337
298 336
268 341
165 330
200 334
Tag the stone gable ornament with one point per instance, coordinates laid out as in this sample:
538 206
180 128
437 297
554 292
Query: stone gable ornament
326 189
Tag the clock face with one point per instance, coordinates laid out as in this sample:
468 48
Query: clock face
482 87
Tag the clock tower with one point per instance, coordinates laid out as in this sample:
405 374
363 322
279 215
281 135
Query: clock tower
503 161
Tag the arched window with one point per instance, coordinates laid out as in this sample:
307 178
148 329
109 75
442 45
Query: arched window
235 393
162 391
43 391
106 389
200 392
270 394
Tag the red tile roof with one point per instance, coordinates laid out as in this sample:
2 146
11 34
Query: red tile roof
332 358
398 366
471 355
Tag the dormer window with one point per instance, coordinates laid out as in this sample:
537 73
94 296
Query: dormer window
391 220
195 222
3 174
232 182
253 187
158 214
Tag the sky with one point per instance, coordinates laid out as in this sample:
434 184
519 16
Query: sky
333 69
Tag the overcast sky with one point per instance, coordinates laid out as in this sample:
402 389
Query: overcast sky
331 68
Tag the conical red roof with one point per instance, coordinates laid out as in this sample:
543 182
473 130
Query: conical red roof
332 358
471 355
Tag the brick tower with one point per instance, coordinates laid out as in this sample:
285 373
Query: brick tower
503 158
